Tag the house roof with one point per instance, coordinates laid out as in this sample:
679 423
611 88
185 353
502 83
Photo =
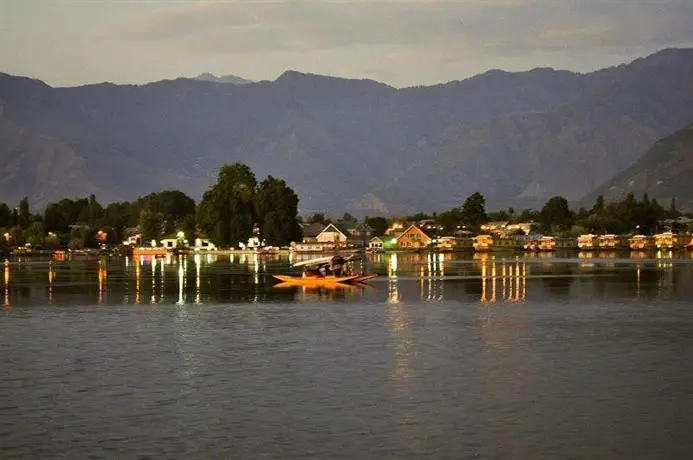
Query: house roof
334 228
418 230
313 230
376 238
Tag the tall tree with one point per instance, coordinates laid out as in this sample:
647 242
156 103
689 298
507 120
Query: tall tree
226 211
34 234
378 225
474 210
276 206
173 204
318 218
151 225
24 216
5 216
598 204
92 212
673 212
557 213
347 220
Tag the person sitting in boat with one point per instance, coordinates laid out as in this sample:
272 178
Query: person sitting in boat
311 272
325 270
337 265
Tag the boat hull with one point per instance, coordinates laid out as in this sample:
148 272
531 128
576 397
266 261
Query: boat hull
316 281
364 278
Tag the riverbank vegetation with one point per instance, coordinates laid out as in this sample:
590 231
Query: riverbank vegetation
237 207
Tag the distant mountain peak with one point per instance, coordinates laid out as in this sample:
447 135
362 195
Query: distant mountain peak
292 77
233 79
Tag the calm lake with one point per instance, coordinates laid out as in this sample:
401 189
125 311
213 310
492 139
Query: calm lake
442 356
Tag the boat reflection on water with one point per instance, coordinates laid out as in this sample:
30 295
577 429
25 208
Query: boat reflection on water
332 291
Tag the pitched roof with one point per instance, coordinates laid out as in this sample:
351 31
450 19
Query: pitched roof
313 230
409 228
334 228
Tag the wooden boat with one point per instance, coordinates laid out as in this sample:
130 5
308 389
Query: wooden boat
316 280
364 278
318 288
323 271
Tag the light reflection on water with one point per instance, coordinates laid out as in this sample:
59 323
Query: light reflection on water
444 356
207 278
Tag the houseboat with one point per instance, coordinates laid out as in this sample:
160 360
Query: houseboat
543 244
446 244
482 243
639 242
668 240
609 241
149 251
587 242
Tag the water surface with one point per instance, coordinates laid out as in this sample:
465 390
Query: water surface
442 357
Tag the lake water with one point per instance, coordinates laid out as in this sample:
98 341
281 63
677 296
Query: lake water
442 357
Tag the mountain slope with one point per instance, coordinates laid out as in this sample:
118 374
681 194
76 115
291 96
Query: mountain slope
664 172
233 79
524 159
347 145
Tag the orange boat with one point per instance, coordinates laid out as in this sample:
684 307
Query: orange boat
325 271
364 278
316 280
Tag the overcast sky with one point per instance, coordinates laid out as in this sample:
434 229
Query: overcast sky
400 42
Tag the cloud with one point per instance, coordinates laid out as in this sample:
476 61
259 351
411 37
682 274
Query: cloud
301 25
401 42
499 26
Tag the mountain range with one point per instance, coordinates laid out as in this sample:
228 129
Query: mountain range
664 172
222 79
346 145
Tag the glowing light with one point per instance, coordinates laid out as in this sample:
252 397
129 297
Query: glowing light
181 282
197 278
393 264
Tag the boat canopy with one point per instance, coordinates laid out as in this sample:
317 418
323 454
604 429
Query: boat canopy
326 260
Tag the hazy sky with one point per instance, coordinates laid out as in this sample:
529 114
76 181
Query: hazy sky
400 42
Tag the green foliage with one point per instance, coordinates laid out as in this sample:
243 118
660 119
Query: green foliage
347 221
501 215
320 218
5 216
556 214
378 225
51 241
91 213
418 217
276 207
119 216
626 216
24 216
187 225
59 216
34 234
151 226
474 210
227 211
172 204
451 220
598 205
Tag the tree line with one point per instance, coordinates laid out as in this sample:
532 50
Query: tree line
628 215
231 210
237 207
